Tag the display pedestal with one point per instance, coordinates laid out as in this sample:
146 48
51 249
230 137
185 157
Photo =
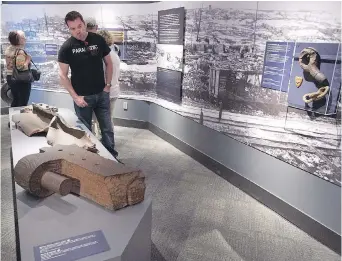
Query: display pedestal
43 221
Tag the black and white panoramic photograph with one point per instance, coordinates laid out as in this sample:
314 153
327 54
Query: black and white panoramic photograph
45 25
170 56
223 63
231 42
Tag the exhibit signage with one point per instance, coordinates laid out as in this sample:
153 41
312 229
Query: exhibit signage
170 53
72 248
51 49
171 26
277 65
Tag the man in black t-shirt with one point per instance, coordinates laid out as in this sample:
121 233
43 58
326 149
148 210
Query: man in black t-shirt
84 52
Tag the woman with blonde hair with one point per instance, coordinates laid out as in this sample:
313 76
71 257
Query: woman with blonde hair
16 56
115 88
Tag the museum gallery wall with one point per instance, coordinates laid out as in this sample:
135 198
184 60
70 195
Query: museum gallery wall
225 85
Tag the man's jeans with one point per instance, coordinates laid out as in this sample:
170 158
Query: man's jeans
100 104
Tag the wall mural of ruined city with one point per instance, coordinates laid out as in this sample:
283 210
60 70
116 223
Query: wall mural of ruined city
225 39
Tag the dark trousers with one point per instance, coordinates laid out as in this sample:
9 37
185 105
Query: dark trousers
20 92
100 104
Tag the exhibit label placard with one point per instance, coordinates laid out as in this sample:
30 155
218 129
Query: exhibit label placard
51 49
277 65
72 248
171 26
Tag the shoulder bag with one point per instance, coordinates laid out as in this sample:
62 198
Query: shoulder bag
21 76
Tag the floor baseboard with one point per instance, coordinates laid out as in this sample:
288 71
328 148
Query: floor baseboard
131 123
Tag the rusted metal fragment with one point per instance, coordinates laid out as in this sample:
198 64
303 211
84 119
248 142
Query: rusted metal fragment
42 118
60 133
34 119
109 184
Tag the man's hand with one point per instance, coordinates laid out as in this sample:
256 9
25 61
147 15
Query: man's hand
106 88
80 102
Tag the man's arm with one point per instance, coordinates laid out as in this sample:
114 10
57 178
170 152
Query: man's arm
65 81
109 70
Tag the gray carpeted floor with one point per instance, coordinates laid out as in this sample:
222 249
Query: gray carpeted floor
196 214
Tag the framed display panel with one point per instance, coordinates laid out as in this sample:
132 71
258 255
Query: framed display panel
171 26
315 79
277 65
170 54
51 49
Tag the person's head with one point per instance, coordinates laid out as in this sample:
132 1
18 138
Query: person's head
17 38
92 25
74 21
107 36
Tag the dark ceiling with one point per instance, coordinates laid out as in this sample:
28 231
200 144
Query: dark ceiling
76 2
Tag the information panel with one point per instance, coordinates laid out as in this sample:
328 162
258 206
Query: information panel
277 65
51 49
170 50
171 26
72 248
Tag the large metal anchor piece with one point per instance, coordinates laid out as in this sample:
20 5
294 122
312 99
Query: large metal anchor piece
309 61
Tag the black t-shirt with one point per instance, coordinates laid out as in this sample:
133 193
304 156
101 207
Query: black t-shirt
86 63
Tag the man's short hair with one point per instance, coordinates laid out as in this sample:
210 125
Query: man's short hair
72 16
91 23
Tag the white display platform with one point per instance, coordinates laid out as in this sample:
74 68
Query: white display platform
43 221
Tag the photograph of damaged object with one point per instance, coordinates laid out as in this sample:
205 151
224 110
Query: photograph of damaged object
314 84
